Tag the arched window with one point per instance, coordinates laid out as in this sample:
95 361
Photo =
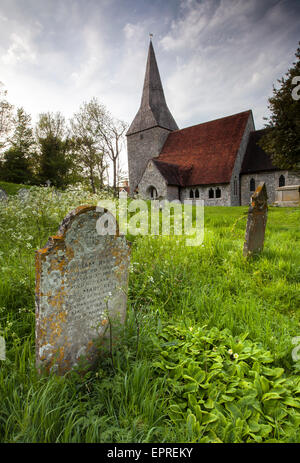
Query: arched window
191 194
282 180
218 193
197 193
252 184
211 193
152 192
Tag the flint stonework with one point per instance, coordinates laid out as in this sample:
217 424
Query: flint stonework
81 287
256 223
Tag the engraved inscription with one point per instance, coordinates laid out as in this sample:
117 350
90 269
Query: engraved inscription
81 281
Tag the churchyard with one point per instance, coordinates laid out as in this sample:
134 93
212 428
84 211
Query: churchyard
208 351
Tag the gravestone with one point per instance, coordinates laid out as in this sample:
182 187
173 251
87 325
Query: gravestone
81 287
256 223
3 195
23 193
287 196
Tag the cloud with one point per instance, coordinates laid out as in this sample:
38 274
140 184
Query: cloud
228 53
20 50
216 57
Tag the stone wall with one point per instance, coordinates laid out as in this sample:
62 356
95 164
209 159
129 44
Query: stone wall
173 192
204 194
152 177
271 180
235 177
141 147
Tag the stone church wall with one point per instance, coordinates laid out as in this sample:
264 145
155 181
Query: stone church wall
141 147
271 180
224 200
152 177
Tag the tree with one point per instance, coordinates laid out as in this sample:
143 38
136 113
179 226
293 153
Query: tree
6 113
87 143
16 167
55 159
282 138
112 135
17 164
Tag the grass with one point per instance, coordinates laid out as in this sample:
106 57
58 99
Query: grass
12 188
211 285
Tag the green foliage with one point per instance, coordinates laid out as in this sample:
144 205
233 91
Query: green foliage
132 395
16 167
225 389
54 162
12 188
17 162
282 139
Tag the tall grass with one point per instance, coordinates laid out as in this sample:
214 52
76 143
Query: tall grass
210 285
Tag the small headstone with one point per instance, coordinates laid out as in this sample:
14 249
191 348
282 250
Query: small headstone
48 183
56 194
81 286
3 195
23 193
256 223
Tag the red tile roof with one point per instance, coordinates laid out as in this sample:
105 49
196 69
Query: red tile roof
204 153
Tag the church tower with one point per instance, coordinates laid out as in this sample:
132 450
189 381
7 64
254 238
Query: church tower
151 125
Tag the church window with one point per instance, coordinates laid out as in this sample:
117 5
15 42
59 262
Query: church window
252 184
191 194
211 193
235 187
282 180
218 193
197 193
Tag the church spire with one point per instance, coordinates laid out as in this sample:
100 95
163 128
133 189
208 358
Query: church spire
153 110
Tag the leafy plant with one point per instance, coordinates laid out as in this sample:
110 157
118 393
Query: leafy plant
226 389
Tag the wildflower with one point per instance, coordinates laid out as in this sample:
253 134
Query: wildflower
230 351
235 356
191 328
104 322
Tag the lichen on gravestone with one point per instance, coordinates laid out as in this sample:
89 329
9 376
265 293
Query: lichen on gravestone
81 285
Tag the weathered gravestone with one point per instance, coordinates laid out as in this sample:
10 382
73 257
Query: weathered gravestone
23 193
81 287
3 195
256 223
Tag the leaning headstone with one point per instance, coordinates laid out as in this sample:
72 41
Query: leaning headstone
256 223
81 287
3 195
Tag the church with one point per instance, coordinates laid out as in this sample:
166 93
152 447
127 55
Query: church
218 161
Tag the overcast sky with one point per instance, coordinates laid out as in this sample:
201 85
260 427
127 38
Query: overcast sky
216 57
